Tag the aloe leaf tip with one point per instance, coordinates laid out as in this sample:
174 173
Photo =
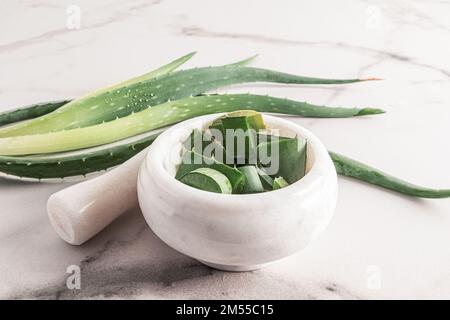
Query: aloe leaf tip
190 54
369 111
371 79
245 62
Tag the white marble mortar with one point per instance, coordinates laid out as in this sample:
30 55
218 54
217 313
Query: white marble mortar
235 232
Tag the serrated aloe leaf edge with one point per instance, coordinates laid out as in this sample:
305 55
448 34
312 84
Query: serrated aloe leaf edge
160 116
44 166
85 162
116 103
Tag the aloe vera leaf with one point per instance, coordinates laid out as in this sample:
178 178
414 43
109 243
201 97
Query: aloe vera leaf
192 161
266 180
354 169
113 104
86 161
161 116
207 179
252 182
286 158
279 183
163 70
244 62
78 163
42 108
30 112
45 108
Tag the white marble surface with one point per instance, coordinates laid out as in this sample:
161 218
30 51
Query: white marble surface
379 244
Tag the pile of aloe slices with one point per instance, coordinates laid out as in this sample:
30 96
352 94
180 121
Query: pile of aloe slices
238 154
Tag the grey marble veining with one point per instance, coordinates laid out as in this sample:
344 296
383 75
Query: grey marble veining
379 244
106 274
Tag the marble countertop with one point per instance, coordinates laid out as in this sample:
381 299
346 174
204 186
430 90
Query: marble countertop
379 244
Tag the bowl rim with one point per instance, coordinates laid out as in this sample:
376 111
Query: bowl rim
154 162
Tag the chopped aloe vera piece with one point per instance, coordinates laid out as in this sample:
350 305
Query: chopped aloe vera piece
208 179
254 118
239 140
284 157
252 182
242 125
217 125
279 183
204 143
192 161
267 181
